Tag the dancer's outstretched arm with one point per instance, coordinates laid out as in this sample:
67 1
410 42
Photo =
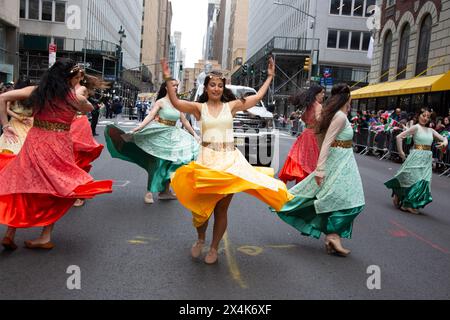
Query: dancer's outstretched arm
251 101
193 108
151 116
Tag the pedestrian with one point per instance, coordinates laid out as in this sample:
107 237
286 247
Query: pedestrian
157 146
331 197
108 107
208 185
117 108
86 149
21 119
41 183
302 158
141 107
95 114
411 186
130 111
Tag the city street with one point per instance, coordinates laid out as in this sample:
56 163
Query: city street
126 249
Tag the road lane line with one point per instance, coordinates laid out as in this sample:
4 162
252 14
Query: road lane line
431 244
232 264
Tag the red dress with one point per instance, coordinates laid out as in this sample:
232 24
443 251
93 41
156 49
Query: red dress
304 154
86 149
41 183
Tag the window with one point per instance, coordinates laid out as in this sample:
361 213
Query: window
343 39
332 38
366 41
390 3
358 8
47 10
33 9
335 7
356 41
23 8
387 48
347 7
60 11
424 45
403 53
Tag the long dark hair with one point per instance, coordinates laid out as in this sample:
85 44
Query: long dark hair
305 98
163 90
54 83
92 83
340 94
227 95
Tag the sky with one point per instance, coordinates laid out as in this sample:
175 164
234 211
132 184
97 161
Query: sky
190 18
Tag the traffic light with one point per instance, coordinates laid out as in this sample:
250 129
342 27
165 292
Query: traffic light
252 70
181 68
245 69
307 66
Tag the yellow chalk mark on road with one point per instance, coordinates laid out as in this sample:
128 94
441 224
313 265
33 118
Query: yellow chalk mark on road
147 238
288 246
232 264
251 250
137 242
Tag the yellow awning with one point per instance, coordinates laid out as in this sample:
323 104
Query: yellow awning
410 86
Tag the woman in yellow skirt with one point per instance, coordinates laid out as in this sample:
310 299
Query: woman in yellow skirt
208 184
21 119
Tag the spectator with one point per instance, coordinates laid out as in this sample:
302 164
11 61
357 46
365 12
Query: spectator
117 108
141 107
95 114
109 110
130 111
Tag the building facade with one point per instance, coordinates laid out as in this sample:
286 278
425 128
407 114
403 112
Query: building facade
191 74
414 40
9 31
156 32
212 27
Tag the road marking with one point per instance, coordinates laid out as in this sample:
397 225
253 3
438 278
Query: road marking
232 264
121 184
137 242
251 250
420 238
288 246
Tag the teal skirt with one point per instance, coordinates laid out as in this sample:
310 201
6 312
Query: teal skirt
122 146
333 206
412 183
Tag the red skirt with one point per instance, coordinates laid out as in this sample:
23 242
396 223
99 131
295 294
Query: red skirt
40 184
85 147
302 158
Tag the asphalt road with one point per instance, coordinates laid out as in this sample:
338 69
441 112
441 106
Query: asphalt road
126 249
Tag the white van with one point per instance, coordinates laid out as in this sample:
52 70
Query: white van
253 129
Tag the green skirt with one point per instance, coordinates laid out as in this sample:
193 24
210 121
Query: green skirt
331 207
412 183
122 146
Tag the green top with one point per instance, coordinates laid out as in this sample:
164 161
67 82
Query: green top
424 136
167 111
346 134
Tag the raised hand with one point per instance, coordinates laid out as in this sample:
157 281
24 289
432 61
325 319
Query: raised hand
271 68
10 134
165 69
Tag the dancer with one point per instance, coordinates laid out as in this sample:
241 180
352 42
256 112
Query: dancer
159 147
41 183
208 185
303 156
21 121
331 197
411 186
85 147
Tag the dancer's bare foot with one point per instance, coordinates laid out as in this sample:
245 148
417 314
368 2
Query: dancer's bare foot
167 196
79 203
40 243
410 210
396 201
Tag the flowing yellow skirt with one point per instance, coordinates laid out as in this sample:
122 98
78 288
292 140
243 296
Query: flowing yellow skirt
200 185
22 131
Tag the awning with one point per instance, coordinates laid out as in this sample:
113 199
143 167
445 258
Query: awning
410 86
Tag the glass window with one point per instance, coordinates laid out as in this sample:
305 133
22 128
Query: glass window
22 8
403 54
33 9
424 45
387 48
358 8
368 4
335 6
47 10
332 38
60 11
347 7
366 41
343 39
356 40
390 3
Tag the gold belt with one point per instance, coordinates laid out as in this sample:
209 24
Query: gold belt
51 126
168 122
219 146
342 144
423 147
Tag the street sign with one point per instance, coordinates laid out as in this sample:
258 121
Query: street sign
52 54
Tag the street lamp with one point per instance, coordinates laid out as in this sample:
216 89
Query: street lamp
122 36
